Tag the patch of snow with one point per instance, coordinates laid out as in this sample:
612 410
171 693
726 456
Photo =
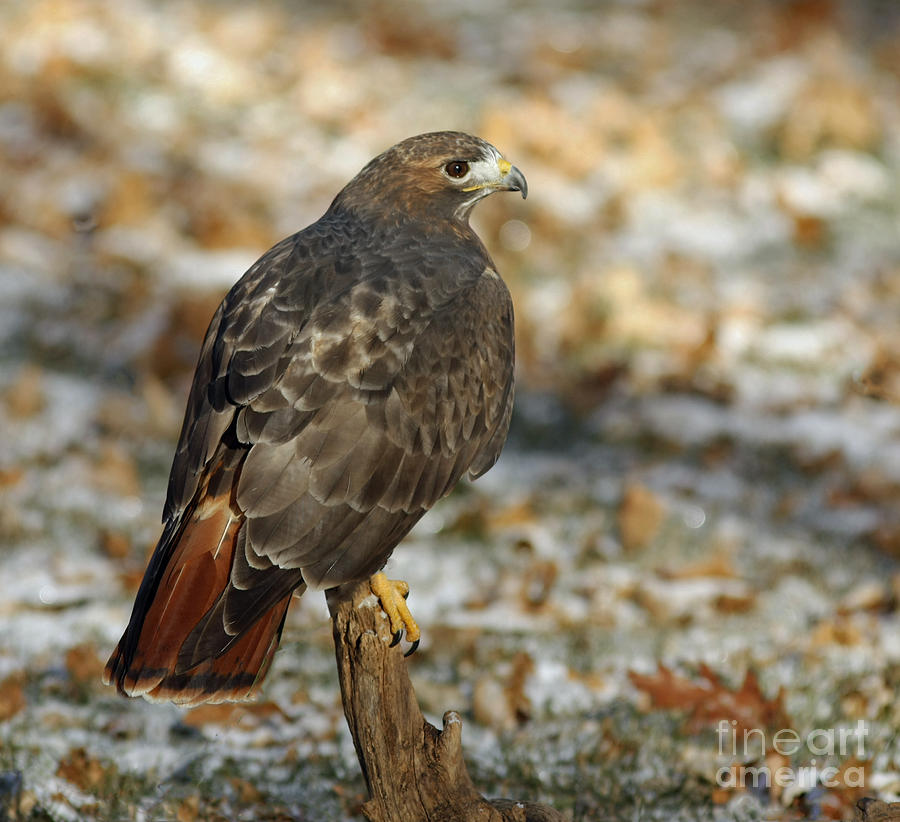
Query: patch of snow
551 689
755 103
210 269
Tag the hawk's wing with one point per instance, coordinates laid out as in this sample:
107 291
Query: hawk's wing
332 406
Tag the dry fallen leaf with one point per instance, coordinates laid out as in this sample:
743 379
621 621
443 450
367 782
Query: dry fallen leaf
25 395
12 696
829 111
851 778
504 705
537 583
640 516
247 791
115 545
716 565
521 512
881 379
115 471
709 700
229 713
188 810
837 631
523 667
869 595
84 663
83 771
11 476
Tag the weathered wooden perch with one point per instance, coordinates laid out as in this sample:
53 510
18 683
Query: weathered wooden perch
873 810
414 772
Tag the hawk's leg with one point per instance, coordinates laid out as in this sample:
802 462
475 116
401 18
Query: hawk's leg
392 594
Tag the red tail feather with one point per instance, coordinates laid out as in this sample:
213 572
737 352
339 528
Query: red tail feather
189 573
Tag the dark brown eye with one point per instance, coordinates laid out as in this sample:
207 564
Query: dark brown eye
458 168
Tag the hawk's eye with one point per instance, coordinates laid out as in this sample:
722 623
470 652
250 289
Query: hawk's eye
458 168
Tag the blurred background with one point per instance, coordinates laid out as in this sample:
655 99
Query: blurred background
696 517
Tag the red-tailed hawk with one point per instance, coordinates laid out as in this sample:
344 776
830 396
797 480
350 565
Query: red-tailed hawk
346 383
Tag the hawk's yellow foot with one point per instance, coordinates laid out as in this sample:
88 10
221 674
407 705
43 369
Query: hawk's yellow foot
392 594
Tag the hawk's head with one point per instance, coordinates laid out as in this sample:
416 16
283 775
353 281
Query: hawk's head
440 174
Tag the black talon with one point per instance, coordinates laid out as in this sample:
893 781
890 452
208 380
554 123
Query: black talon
412 648
396 639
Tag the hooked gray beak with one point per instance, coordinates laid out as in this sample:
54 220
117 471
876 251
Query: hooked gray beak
513 179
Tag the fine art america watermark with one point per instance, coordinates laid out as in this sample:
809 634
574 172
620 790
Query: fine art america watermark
821 742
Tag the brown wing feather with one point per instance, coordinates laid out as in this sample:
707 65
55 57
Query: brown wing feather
333 404
382 456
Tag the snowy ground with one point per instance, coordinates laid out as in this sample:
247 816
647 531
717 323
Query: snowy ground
704 468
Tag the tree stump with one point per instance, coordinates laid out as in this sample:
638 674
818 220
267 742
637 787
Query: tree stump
873 810
414 772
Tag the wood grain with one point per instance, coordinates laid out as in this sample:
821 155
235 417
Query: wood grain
414 772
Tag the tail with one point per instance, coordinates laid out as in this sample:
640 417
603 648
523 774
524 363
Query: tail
194 636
